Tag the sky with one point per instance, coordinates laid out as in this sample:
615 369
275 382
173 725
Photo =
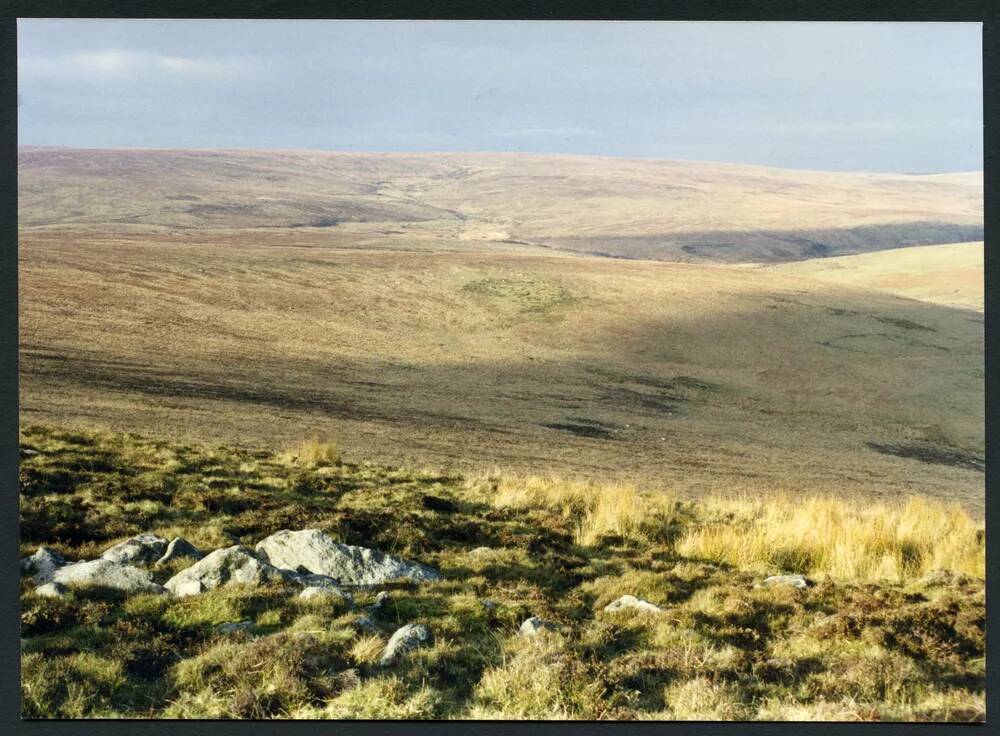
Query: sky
899 97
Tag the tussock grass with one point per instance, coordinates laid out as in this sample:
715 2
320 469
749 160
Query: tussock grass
596 510
823 535
539 679
312 453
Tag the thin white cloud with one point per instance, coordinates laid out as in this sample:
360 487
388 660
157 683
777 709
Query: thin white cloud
110 63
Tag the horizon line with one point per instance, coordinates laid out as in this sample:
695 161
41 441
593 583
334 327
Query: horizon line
332 151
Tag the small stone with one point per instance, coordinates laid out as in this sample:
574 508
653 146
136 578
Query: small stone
534 625
406 639
28 452
381 601
139 550
234 626
177 549
365 625
489 605
107 574
42 565
795 581
52 590
631 602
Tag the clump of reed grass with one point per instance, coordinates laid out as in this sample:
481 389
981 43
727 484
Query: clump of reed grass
598 510
312 453
838 537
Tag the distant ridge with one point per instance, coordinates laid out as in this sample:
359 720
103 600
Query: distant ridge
626 208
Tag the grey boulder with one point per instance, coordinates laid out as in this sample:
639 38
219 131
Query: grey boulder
42 565
627 602
313 551
406 639
104 573
234 565
140 549
177 549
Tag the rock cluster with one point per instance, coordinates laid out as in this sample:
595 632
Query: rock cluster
308 558
322 567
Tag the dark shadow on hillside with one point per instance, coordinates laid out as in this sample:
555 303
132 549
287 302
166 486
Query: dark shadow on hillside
770 246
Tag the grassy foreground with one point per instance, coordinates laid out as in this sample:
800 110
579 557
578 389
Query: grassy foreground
893 629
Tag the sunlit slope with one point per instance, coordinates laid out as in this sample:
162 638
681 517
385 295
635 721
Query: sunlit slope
656 209
945 274
698 378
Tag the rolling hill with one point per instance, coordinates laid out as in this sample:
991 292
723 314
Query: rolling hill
696 378
649 209
943 274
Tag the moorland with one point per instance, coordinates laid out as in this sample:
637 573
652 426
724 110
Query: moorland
557 380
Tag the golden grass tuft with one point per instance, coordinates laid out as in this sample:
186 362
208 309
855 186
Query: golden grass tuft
809 535
598 510
367 649
313 452
825 535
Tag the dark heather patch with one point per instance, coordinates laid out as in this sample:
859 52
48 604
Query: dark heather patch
904 324
435 503
931 454
582 430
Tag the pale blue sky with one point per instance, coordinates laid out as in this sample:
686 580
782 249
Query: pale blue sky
841 96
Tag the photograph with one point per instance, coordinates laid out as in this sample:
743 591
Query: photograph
500 370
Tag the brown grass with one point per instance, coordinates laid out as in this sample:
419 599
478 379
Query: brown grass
687 378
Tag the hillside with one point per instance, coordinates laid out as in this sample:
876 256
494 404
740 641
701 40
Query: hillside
523 605
651 209
942 274
697 379
583 487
